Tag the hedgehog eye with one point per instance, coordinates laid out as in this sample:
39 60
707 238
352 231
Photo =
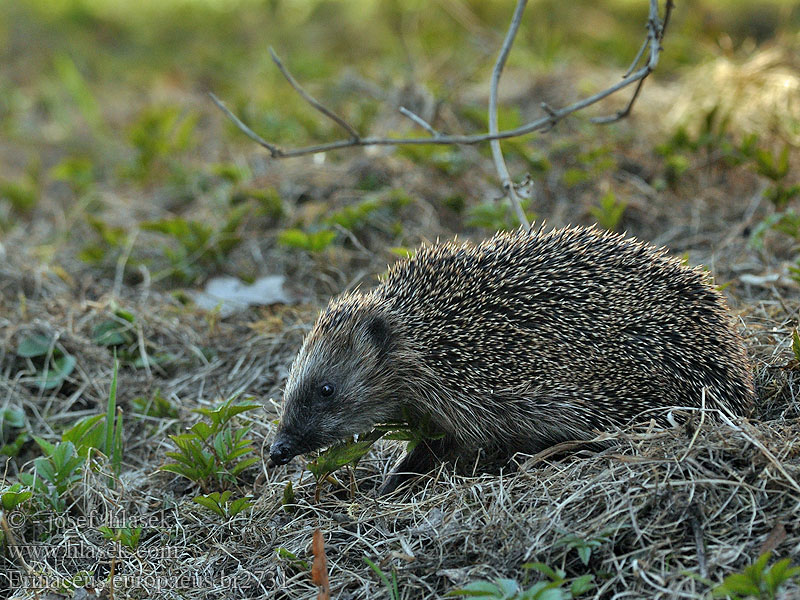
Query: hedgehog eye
326 390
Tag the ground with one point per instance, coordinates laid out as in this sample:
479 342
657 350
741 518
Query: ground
124 191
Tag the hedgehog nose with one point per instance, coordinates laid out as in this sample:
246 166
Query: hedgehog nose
280 452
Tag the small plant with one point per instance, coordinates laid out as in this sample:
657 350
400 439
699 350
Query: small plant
349 452
310 242
101 432
158 135
221 504
510 589
355 216
115 331
112 242
447 160
583 545
267 202
591 164
213 453
77 172
13 496
796 345
391 586
346 453
54 474
157 406
12 418
61 466
118 333
22 194
757 580
51 364
776 168
296 563
288 499
193 245
125 536
608 213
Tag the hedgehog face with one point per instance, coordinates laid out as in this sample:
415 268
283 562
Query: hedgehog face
340 383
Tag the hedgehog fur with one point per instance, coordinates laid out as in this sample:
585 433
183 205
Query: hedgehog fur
512 345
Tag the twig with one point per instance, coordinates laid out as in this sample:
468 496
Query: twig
620 114
497 153
313 101
694 520
273 150
656 28
419 121
655 33
639 54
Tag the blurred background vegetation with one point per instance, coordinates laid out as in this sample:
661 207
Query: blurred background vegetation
104 112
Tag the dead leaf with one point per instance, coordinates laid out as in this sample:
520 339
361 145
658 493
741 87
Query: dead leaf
319 570
230 295
774 539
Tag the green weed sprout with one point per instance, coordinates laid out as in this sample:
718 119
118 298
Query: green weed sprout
757 580
214 452
221 504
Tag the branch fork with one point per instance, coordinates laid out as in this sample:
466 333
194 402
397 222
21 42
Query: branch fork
656 27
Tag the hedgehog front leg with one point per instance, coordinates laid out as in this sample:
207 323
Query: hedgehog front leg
421 460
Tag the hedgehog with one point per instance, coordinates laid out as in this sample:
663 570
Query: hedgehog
524 340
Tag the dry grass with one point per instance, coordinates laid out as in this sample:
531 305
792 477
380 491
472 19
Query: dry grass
666 507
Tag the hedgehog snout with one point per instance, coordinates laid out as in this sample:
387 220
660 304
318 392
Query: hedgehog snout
281 451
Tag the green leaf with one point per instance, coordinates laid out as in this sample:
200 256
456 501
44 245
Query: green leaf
736 584
13 496
583 584
545 570
295 562
478 589
111 333
202 430
244 464
339 455
288 497
508 587
212 502
61 368
116 453
47 448
23 194
551 594
111 410
311 242
12 417
85 434
238 506
12 449
796 344
379 572
34 345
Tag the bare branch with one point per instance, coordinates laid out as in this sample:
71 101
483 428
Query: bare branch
655 32
419 121
639 54
497 154
656 28
273 150
620 114
313 101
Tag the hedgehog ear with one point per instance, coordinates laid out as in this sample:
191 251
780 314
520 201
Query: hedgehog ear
379 333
